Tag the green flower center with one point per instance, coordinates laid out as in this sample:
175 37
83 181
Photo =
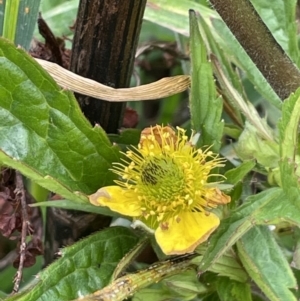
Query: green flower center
165 187
161 180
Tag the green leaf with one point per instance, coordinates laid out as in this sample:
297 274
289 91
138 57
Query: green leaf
251 145
278 210
185 285
150 294
174 17
272 206
228 265
2 10
296 254
244 106
229 231
27 18
234 227
288 132
235 175
71 205
288 126
20 21
126 138
229 290
10 19
44 133
84 267
229 70
205 105
212 297
130 257
290 182
2 295
266 264
232 47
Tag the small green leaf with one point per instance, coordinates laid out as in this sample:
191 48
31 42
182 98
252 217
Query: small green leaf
296 255
150 294
288 132
266 264
288 126
22 21
71 205
44 133
185 285
227 265
232 131
229 231
290 182
126 138
164 13
229 70
235 175
2 295
251 145
229 43
285 207
10 19
27 18
84 267
206 106
2 11
130 256
229 290
234 227
174 17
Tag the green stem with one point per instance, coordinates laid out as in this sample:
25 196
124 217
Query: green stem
254 36
126 286
10 19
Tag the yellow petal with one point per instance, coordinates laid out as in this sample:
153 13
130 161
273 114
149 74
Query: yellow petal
183 234
117 199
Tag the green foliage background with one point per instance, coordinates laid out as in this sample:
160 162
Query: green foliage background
244 260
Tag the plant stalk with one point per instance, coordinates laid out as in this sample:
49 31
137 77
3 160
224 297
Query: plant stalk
104 47
254 36
10 19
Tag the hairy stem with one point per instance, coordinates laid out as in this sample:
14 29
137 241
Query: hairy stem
246 25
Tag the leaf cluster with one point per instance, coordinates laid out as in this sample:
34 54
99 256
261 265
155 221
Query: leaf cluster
254 254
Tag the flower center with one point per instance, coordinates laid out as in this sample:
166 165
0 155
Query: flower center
161 179
163 188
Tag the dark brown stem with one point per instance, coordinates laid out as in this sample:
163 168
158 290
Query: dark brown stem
104 46
21 195
258 42
50 40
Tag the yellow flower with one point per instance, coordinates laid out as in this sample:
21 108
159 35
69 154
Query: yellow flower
164 184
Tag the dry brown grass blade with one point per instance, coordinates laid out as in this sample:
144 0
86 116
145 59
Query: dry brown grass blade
162 88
